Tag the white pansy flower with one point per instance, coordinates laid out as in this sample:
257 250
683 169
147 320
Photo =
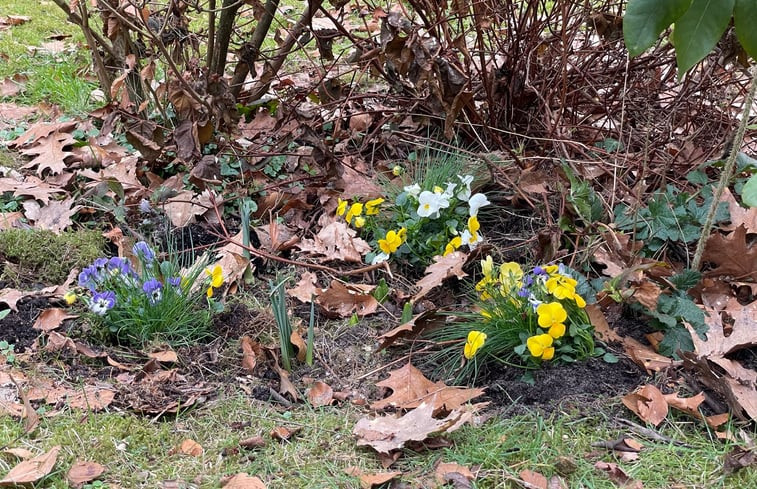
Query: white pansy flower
429 204
450 190
464 192
470 239
413 190
380 258
476 202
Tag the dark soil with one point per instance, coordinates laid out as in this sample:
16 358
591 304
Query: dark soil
16 327
554 384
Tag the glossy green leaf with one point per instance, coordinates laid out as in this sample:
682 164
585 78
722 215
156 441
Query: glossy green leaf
749 192
698 30
646 19
745 20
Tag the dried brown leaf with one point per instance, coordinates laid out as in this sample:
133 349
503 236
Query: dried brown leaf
533 479
32 470
732 255
243 481
617 475
419 323
164 356
82 472
647 403
370 480
387 433
306 288
410 388
459 475
56 216
320 394
341 300
336 241
91 398
443 268
251 351
188 447
51 319
48 155
739 215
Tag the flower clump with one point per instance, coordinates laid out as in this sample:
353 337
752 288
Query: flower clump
419 224
527 317
153 300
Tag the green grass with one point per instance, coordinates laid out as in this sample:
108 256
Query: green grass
136 449
59 79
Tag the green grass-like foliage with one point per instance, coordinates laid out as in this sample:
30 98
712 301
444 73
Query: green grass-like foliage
522 319
155 301
38 256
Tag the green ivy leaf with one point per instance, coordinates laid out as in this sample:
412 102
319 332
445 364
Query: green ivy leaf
646 19
749 192
698 31
745 18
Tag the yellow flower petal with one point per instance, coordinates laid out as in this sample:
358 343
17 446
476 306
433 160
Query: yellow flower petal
355 210
551 313
341 208
473 224
371 207
580 302
476 340
216 276
539 344
69 297
359 222
210 292
548 354
556 330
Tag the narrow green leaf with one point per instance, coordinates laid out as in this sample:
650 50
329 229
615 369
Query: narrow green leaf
646 19
745 20
698 31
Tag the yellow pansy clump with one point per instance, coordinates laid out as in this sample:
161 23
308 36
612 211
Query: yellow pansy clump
371 207
392 241
476 340
216 278
552 316
540 346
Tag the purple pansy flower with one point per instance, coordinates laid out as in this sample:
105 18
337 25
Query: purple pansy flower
153 289
539 271
120 265
143 251
174 281
102 302
89 277
100 263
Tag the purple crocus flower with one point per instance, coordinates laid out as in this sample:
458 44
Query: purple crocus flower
174 281
153 288
143 251
102 302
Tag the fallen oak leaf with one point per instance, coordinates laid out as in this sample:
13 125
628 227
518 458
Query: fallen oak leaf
32 470
306 288
341 300
251 351
410 388
188 447
419 323
49 154
459 475
618 475
533 479
387 433
164 356
444 267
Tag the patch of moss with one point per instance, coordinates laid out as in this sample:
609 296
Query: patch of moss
31 257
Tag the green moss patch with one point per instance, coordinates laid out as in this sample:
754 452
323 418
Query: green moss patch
41 257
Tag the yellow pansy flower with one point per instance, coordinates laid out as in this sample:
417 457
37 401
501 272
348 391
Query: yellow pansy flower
550 314
390 243
355 210
359 222
540 346
69 297
402 233
371 207
557 330
580 302
341 207
561 287
476 340
510 276
453 244
397 170
487 266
